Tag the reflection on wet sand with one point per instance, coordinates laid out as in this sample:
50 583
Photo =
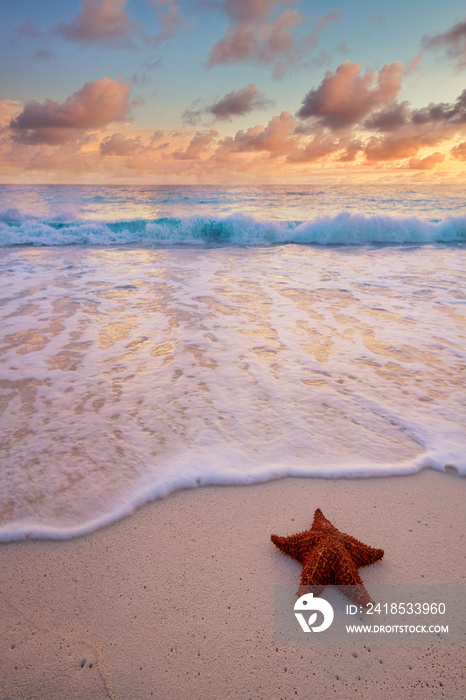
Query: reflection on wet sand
158 360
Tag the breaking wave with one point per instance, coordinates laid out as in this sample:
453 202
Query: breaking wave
238 230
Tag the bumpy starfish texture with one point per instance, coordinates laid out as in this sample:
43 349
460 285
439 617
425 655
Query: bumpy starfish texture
329 558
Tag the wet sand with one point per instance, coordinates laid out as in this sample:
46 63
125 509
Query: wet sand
177 600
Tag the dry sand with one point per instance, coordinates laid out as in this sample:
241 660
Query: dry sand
176 601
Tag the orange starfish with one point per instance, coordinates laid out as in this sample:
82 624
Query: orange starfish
329 558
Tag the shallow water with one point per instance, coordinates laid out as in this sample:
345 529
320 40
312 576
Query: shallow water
129 371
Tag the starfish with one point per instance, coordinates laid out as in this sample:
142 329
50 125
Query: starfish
329 557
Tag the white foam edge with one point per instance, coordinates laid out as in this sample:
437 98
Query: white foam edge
21 530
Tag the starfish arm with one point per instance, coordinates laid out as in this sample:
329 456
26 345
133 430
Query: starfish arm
361 554
332 566
296 546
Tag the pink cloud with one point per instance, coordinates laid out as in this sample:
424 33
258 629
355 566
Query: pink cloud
94 106
442 112
257 42
98 21
8 109
407 132
245 11
426 163
106 21
118 145
345 97
320 146
391 148
277 38
404 145
239 102
453 41
236 46
392 117
170 18
324 144
276 138
254 35
414 64
309 42
233 104
459 151
352 148
198 145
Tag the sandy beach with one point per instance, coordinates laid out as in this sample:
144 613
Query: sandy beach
176 600
232 310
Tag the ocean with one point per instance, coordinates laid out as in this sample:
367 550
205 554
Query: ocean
163 337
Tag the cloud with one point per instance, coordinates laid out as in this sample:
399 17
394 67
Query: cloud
320 146
345 97
246 11
309 42
256 41
234 104
435 121
43 53
104 21
394 132
352 148
442 112
253 35
414 64
324 144
408 131
459 151
168 13
426 163
452 41
403 145
8 108
94 106
157 135
349 120
27 29
276 138
392 117
118 145
194 114
239 102
139 78
199 143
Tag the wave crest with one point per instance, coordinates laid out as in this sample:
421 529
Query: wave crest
342 229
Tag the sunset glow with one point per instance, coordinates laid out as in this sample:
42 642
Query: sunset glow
232 91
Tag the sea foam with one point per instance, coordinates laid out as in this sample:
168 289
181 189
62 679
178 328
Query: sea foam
128 373
237 229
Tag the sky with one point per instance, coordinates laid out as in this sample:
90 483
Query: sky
232 91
